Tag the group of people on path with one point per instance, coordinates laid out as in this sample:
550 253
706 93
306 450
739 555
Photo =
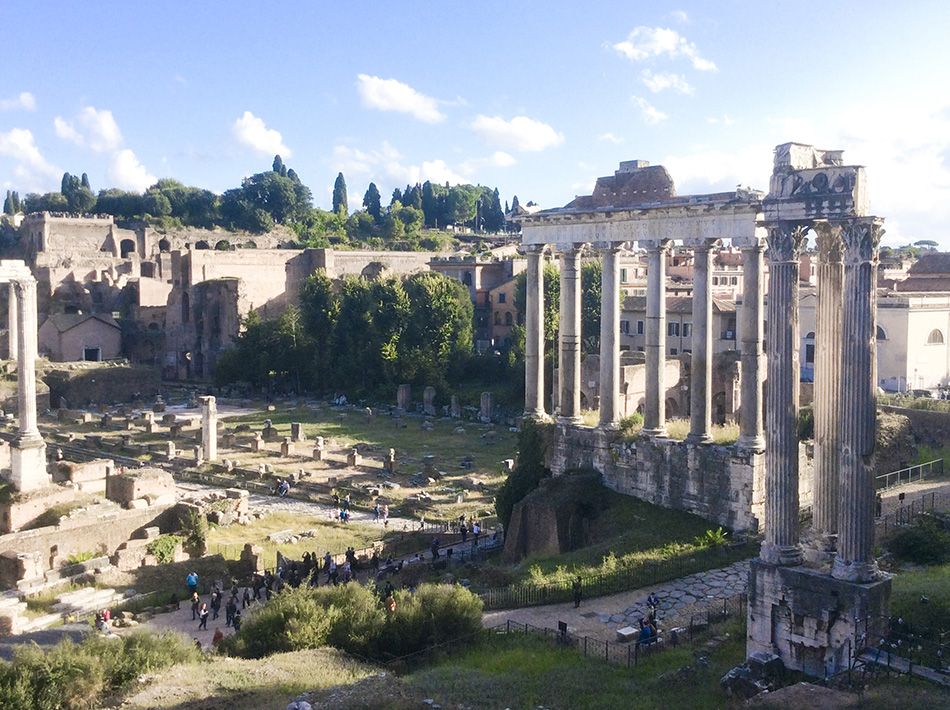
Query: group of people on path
202 610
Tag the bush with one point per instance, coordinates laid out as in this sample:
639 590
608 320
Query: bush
528 471
631 424
163 547
77 557
76 676
925 543
436 613
194 530
712 538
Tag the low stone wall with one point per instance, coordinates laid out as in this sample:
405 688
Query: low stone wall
721 483
929 427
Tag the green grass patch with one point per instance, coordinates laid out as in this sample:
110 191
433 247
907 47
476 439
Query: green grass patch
723 434
528 672
928 619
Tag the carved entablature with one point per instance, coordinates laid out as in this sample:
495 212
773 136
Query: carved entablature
861 238
828 241
808 183
786 241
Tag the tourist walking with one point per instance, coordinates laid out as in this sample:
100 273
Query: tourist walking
192 581
576 591
195 604
203 616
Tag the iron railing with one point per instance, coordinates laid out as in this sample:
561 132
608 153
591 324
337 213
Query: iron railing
911 474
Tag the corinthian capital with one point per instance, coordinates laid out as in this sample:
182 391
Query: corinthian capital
829 241
786 241
861 238
25 287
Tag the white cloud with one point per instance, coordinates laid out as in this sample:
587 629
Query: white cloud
386 167
724 120
651 42
663 81
610 138
520 133
648 112
680 16
128 173
254 133
498 159
24 100
92 128
393 95
18 143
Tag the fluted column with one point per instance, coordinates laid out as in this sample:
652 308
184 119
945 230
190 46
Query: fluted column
654 411
827 390
751 334
781 545
209 429
534 334
569 367
609 336
12 326
26 359
701 343
858 407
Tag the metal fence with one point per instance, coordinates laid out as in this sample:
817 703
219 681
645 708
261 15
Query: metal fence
911 474
599 585
907 514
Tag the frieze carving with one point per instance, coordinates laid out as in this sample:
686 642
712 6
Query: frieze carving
786 241
861 238
828 241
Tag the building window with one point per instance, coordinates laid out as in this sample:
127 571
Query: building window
881 335
687 327
672 330
674 351
935 337
715 280
625 327
639 327
623 276
497 318
809 353
734 280
508 320
502 297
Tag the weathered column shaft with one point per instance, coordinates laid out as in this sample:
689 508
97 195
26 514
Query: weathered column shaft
609 336
534 334
750 424
12 325
654 419
209 428
858 407
781 544
569 367
827 388
26 358
700 393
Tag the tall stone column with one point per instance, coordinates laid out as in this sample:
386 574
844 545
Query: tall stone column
209 429
654 419
858 407
781 545
751 333
827 391
609 336
12 325
569 367
28 450
534 334
700 371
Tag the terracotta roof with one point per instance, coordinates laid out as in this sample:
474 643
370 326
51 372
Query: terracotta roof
67 321
925 283
931 263
679 304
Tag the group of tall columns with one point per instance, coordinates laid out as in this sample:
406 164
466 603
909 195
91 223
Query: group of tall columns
844 400
569 346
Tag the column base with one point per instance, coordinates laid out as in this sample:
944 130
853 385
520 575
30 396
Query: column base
751 443
570 420
537 414
781 555
28 463
610 426
810 620
863 572
819 548
703 438
659 432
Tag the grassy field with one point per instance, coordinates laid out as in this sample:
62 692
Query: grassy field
910 585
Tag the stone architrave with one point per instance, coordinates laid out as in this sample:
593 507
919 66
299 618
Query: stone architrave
27 450
404 397
700 393
428 401
821 545
486 407
751 331
654 419
781 545
209 428
534 333
609 336
854 561
569 365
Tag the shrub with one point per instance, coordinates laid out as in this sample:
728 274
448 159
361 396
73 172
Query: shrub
712 538
194 529
163 547
77 557
527 474
436 613
926 542
631 424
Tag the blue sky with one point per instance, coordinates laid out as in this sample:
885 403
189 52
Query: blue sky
536 98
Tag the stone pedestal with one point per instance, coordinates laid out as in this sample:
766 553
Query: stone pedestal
486 407
354 458
428 401
810 620
296 431
455 409
28 463
404 397
287 447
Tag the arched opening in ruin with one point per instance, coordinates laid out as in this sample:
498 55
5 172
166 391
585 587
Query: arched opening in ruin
164 246
126 247
672 408
881 333
223 245
373 270
467 278
935 337
202 244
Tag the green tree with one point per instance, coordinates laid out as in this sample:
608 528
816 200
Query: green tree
156 204
591 275
279 167
494 217
49 202
552 297
121 204
397 197
371 201
528 472
430 204
339 196
460 204
320 306
9 206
